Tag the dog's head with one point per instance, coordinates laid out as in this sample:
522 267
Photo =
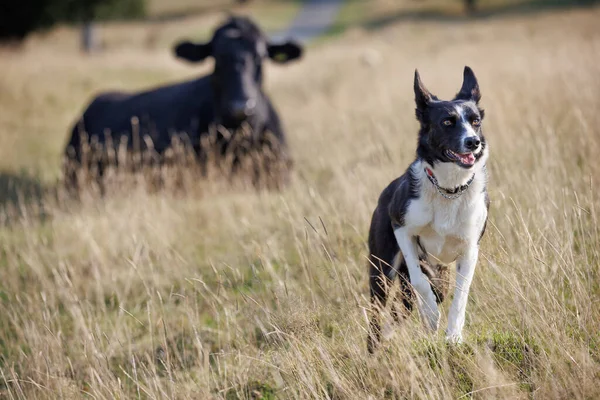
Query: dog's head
451 130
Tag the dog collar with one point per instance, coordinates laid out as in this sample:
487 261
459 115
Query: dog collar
448 193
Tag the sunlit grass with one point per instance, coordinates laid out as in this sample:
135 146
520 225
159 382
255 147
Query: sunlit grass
232 293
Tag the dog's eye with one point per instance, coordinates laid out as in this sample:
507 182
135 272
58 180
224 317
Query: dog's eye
476 122
448 122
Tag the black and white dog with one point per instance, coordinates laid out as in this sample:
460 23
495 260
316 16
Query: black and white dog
435 213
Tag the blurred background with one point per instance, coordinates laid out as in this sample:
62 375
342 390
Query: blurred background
63 51
231 293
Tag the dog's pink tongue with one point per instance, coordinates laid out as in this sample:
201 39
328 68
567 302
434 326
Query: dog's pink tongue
467 159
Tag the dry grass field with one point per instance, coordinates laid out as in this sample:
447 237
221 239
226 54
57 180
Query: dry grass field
221 292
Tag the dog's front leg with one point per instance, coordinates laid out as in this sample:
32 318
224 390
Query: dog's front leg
425 296
464 276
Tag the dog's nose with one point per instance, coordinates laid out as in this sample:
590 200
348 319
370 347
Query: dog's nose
471 143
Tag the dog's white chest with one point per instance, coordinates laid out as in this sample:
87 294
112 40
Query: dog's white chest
442 248
445 228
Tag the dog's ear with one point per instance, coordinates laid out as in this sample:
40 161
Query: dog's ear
422 97
470 87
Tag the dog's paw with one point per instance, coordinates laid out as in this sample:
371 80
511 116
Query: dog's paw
434 320
430 313
454 338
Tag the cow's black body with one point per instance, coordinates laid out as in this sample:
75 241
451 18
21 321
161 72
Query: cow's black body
225 104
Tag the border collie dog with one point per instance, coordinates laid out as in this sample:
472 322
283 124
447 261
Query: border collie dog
435 213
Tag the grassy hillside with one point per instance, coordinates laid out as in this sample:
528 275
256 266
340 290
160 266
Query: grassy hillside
167 22
228 293
173 8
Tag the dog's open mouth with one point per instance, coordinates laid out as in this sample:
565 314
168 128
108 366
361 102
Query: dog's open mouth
467 159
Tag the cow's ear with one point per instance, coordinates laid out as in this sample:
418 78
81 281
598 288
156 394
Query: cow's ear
193 52
284 52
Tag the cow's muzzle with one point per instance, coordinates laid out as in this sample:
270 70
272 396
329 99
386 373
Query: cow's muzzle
241 109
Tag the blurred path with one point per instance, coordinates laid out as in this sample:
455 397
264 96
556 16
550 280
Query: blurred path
314 19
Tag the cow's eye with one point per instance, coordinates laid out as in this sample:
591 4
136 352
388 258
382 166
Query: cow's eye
476 121
448 122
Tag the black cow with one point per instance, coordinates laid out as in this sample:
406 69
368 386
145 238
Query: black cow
225 105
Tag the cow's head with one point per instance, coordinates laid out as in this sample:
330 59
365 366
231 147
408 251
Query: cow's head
239 48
